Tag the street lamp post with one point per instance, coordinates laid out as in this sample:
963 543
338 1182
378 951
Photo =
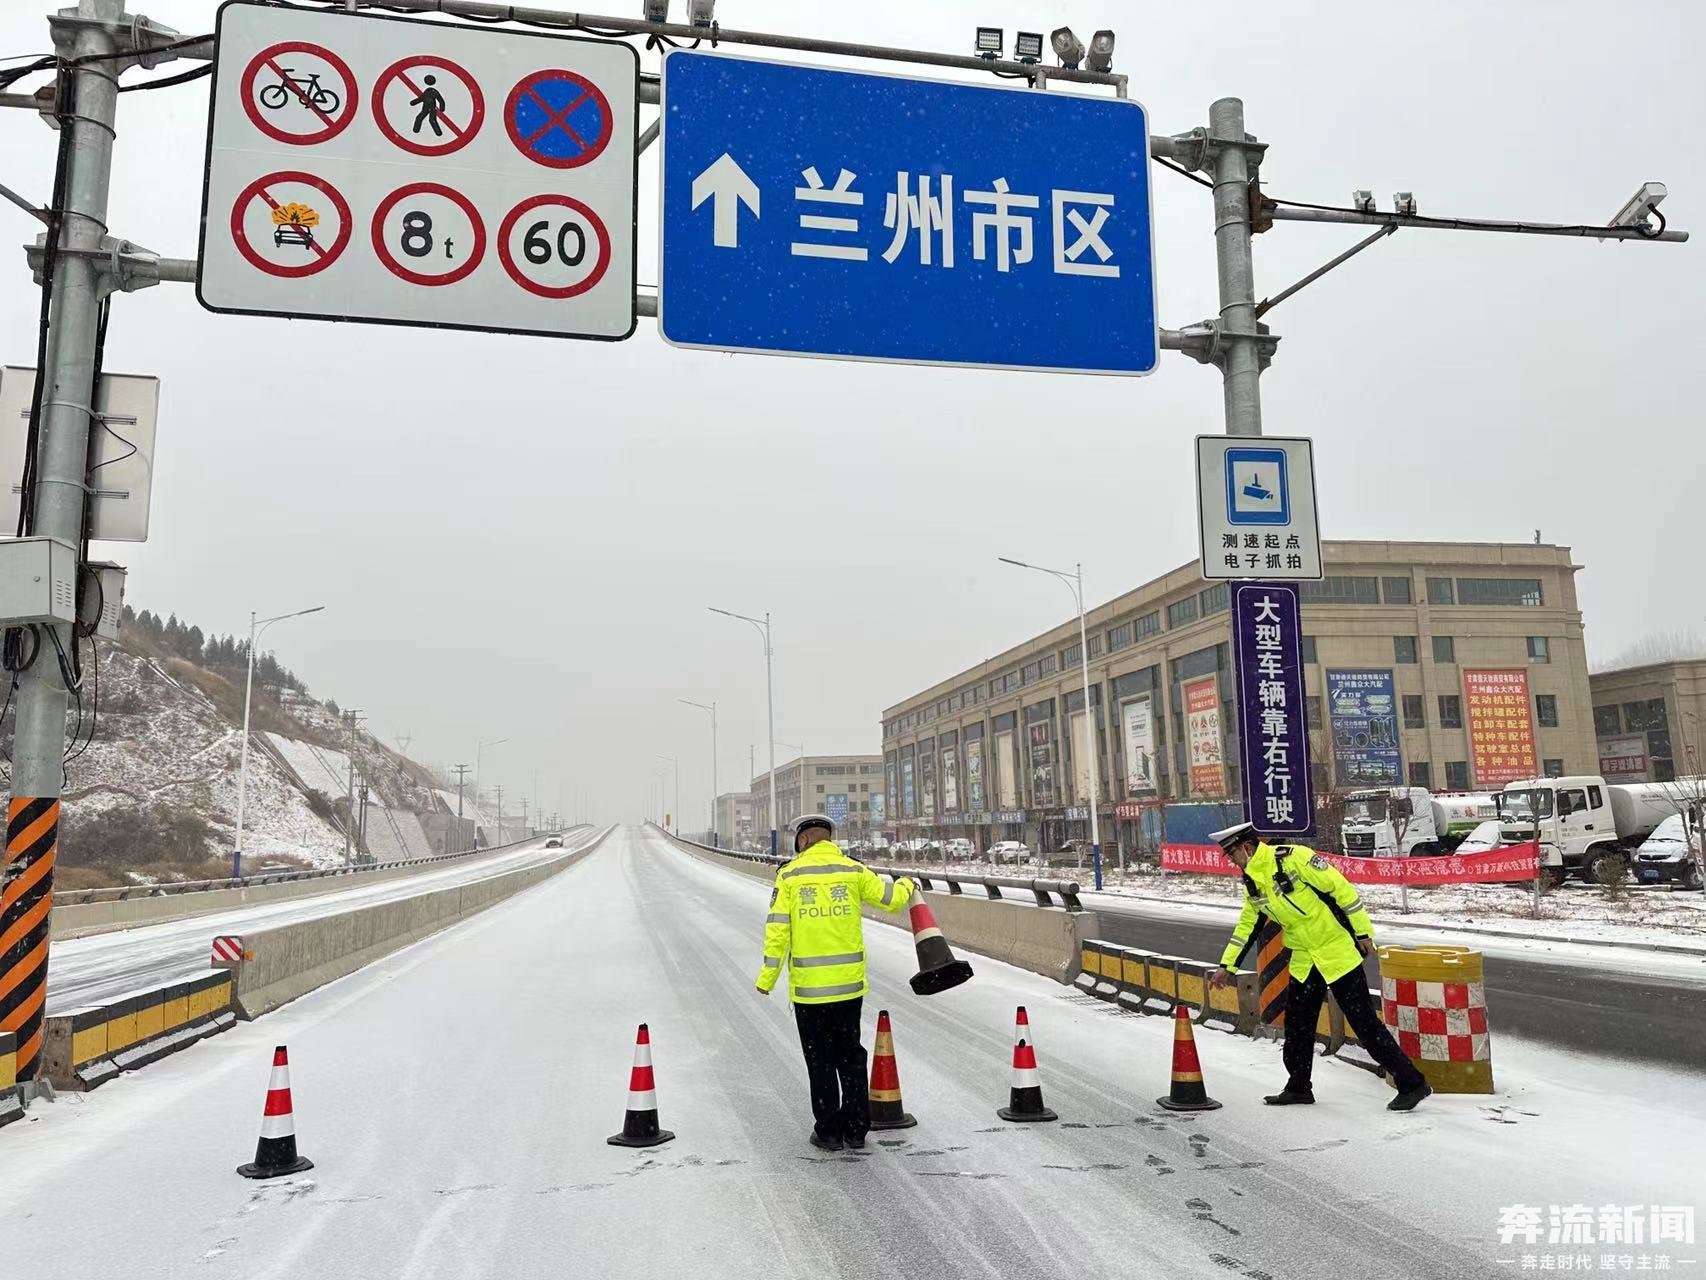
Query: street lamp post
770 707
255 630
712 708
479 752
1075 583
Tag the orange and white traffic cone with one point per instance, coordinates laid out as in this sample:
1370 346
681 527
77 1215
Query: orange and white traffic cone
275 1153
887 1111
938 967
640 1123
1022 1027
1025 1103
1186 1092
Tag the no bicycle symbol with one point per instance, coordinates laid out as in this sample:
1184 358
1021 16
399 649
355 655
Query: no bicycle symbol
558 118
299 93
428 105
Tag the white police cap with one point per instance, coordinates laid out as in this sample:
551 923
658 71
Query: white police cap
813 820
1226 837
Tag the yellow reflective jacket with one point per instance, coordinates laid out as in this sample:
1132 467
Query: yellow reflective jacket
816 926
1297 889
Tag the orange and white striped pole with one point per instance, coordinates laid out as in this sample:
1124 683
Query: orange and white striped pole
640 1121
275 1153
26 898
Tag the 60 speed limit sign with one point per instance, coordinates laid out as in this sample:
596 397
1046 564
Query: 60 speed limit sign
394 171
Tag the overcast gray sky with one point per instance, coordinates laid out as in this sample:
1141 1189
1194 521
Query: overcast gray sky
517 537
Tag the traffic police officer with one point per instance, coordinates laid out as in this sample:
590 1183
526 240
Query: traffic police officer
816 926
1329 933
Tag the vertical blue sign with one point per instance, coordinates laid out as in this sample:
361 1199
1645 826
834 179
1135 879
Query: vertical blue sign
814 211
1273 730
1361 708
835 809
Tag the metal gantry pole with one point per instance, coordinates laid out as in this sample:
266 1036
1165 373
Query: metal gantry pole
1241 369
90 31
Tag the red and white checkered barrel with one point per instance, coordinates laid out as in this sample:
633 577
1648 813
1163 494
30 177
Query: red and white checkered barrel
1434 1001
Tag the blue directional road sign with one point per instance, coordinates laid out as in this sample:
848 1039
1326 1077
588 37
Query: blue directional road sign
871 217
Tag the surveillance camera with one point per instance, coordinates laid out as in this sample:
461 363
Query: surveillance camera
1362 201
1067 47
1639 206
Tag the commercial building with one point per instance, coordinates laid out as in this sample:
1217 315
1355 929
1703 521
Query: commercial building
1650 721
847 788
734 819
1451 666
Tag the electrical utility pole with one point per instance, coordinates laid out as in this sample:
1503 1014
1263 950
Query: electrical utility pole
461 777
351 716
500 792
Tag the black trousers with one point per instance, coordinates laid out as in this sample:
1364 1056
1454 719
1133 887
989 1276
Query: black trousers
1303 1008
835 1067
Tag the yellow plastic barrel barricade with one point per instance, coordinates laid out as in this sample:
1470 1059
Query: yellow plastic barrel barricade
1434 1001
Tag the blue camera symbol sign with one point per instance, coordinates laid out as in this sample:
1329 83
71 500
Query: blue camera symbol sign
1258 490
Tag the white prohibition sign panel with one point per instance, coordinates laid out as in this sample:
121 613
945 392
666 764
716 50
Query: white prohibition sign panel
398 171
1256 507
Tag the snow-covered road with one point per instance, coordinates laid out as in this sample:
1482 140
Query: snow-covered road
83 970
456 1097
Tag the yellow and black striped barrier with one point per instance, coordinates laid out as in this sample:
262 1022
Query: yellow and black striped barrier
84 1048
1148 982
11 1105
26 898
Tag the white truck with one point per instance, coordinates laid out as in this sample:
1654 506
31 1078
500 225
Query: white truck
1435 824
1585 824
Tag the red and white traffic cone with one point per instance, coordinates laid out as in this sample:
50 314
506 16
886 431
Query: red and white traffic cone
275 1153
640 1124
1022 1027
887 1110
938 967
1186 1091
1025 1103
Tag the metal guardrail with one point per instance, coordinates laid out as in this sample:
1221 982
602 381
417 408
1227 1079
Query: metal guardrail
1044 890
123 893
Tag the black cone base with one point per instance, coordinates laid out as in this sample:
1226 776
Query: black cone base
1189 1102
903 1120
640 1129
275 1171
1026 1105
928 982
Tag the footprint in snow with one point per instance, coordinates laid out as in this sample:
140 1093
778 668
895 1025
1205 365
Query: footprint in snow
1328 1145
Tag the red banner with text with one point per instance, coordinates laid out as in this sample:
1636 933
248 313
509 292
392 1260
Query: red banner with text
1513 862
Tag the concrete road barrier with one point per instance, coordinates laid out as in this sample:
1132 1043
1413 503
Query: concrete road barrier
1045 940
290 960
86 911
84 1048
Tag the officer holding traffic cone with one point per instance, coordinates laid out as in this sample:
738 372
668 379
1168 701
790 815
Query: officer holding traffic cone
1329 933
815 926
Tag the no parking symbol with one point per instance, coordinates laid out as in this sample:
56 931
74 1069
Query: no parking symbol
558 119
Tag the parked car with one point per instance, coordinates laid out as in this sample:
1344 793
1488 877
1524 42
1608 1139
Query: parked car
959 850
1009 851
1485 836
1668 856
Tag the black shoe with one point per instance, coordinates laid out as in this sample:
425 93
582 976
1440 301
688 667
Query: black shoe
825 1144
855 1144
1407 1100
1289 1097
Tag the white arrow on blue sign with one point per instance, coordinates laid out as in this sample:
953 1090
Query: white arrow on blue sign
809 211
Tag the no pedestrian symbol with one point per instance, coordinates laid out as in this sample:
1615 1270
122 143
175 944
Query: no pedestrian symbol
558 119
428 105
299 93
